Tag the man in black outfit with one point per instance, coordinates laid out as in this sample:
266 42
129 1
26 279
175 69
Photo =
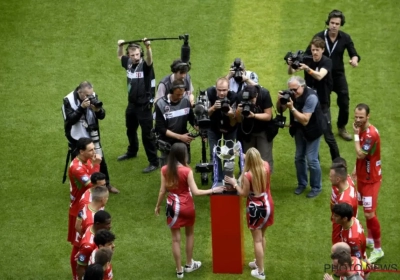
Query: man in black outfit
173 112
222 117
317 74
141 91
336 42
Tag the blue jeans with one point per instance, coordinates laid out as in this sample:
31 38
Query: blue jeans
307 151
213 138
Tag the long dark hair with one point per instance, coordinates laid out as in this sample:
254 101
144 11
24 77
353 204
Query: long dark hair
178 154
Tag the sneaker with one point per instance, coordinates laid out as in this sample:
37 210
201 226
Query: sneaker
370 245
150 168
195 265
253 264
376 255
257 274
313 193
344 134
179 274
299 190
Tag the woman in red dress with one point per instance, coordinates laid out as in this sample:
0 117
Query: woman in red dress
177 179
255 185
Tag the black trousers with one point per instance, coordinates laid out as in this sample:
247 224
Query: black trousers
103 164
135 116
343 99
328 135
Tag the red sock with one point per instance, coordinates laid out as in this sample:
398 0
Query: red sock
72 260
375 227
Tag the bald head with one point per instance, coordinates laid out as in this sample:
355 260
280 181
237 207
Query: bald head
340 247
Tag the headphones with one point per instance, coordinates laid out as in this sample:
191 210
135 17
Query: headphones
171 91
336 14
178 65
135 46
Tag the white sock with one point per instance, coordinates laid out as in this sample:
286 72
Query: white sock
370 240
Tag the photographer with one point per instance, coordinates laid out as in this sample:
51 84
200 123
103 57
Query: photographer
253 113
306 126
173 112
141 91
336 42
82 110
179 71
222 117
239 78
317 73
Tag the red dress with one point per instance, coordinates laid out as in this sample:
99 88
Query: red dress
180 206
260 208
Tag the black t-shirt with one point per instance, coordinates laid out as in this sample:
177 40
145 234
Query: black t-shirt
219 120
263 101
324 86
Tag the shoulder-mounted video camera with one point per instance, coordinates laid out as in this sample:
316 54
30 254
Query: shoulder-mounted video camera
296 58
200 111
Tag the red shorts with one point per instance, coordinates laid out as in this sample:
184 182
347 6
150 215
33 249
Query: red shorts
368 195
71 229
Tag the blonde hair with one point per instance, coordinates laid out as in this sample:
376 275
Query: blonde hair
255 165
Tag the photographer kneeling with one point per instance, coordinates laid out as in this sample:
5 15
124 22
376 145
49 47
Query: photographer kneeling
253 113
173 112
307 124
82 110
222 116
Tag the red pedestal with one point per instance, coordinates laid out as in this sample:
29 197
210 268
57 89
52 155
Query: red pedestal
227 234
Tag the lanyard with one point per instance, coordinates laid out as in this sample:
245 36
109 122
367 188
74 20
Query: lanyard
327 44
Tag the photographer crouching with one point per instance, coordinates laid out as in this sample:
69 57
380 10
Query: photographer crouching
253 115
307 124
82 110
222 117
173 112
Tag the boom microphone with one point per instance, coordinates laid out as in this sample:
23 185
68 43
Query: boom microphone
185 50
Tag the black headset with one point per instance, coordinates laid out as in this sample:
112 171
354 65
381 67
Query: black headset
179 65
336 14
171 91
136 46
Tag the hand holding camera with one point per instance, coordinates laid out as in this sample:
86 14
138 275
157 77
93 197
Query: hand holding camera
85 103
217 105
186 138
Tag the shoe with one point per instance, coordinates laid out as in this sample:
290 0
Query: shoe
257 274
299 190
111 189
313 193
344 134
370 245
253 264
195 265
179 274
375 255
125 157
150 168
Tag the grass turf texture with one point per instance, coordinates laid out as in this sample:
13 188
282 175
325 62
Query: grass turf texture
48 47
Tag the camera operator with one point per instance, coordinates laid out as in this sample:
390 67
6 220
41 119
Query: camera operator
82 110
253 113
239 78
222 117
336 43
141 91
179 71
317 74
306 126
173 112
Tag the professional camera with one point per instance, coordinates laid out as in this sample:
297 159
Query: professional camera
200 111
225 105
238 69
161 145
296 58
93 101
247 105
279 121
286 95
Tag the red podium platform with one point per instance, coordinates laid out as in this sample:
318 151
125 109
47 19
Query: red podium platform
227 233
